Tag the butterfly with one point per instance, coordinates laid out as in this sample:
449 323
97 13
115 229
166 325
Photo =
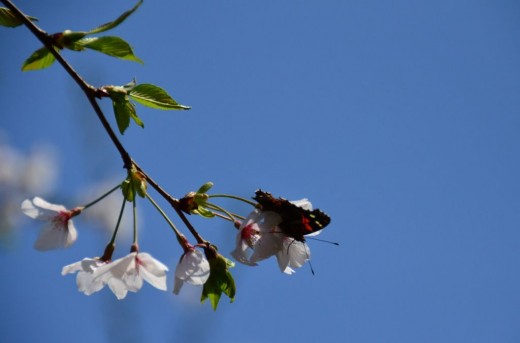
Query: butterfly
296 221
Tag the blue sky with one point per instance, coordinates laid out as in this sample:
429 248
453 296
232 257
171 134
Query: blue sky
399 119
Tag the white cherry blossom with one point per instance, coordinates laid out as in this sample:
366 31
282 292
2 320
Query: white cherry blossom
85 277
127 274
259 238
59 231
193 268
259 233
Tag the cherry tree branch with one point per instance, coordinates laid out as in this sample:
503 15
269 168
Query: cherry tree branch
92 93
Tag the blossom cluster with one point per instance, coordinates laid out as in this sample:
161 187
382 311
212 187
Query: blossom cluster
259 237
121 275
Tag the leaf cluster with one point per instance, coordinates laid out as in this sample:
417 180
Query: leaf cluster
146 94
77 41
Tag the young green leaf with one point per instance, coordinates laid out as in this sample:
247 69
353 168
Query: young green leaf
123 110
155 97
40 59
134 116
119 20
110 45
220 280
203 212
205 187
8 19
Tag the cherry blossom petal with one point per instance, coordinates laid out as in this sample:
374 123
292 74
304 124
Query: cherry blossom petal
85 265
37 208
294 254
192 268
127 273
268 245
30 210
133 281
288 271
118 287
115 269
87 284
241 252
253 217
84 279
283 260
152 271
298 252
72 234
44 205
55 235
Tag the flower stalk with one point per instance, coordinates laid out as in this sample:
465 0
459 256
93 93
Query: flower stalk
101 197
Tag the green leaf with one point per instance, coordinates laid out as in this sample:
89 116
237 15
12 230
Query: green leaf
135 118
205 187
220 280
8 19
119 20
122 110
204 212
155 97
40 59
110 45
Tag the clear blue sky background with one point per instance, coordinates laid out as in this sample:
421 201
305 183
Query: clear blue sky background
400 119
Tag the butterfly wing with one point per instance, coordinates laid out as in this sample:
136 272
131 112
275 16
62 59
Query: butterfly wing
296 221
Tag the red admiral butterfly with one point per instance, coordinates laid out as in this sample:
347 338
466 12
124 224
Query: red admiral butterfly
296 221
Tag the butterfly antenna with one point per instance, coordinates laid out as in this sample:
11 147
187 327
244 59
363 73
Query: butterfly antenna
310 266
322 240
309 259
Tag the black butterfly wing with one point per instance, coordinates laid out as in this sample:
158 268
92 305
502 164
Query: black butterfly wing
296 221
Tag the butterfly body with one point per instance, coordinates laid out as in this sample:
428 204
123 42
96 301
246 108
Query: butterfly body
296 221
